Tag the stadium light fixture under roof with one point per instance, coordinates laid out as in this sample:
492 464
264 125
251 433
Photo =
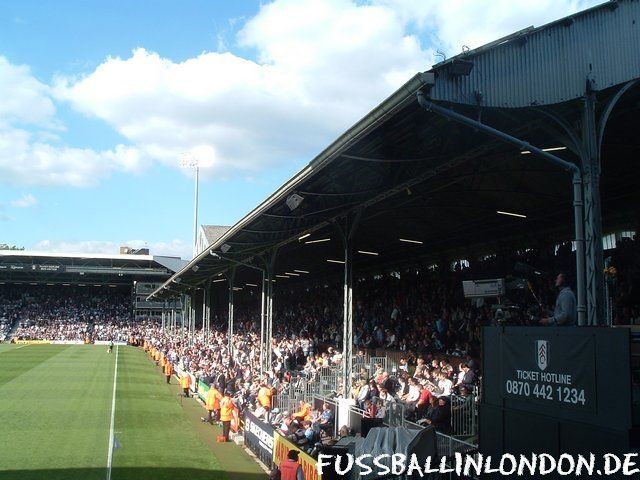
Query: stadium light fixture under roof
408 240
218 280
251 285
365 252
282 276
320 240
510 214
550 149
306 235
301 271
335 261
292 274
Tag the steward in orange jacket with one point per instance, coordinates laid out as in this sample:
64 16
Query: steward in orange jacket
212 404
168 370
227 408
185 383
289 467
264 399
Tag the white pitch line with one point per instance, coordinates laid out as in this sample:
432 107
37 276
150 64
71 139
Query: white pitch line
113 419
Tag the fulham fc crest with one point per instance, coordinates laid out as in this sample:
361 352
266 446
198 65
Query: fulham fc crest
542 354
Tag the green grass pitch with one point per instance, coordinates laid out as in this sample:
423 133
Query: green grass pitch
55 416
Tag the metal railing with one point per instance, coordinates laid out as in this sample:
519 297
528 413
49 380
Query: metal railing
464 416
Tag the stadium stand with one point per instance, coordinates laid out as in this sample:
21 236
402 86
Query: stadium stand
417 336
418 339
66 313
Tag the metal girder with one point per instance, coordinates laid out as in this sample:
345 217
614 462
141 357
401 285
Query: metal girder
266 321
231 278
347 229
577 179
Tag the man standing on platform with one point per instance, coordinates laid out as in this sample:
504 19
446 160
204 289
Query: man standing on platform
564 314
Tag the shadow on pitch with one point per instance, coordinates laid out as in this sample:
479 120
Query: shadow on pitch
128 474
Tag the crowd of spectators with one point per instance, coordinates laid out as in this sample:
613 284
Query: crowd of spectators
420 312
65 313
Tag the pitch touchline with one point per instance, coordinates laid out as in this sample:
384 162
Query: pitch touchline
113 419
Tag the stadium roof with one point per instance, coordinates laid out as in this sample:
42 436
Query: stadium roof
408 174
84 256
213 232
20 266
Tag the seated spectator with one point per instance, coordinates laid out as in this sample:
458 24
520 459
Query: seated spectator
370 409
304 413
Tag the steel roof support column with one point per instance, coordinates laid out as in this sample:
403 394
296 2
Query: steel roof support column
578 214
263 299
577 179
592 213
192 318
268 274
231 278
207 313
347 231
183 309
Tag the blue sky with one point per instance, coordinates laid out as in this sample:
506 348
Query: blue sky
99 99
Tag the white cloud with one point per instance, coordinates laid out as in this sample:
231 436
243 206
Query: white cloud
26 201
176 247
319 66
30 149
473 23
24 99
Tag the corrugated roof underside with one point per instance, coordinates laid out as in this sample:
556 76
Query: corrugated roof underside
551 65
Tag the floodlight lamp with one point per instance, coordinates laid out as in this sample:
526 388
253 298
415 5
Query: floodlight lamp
293 201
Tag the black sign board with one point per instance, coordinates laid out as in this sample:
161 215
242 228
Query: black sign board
574 374
258 437
553 370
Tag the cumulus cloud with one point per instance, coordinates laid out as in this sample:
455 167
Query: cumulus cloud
26 201
174 247
316 67
319 66
30 148
24 100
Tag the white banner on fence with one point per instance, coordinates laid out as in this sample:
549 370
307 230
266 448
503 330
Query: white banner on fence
107 342
67 342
